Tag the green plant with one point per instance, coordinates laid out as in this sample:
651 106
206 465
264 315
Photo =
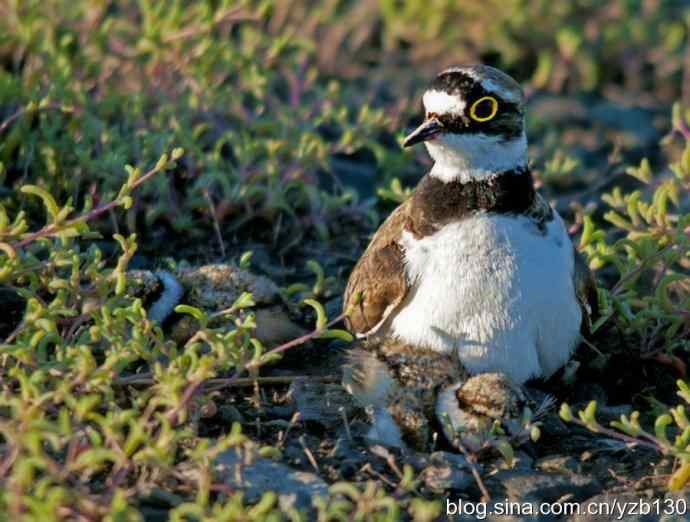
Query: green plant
629 430
255 143
75 434
649 248
282 109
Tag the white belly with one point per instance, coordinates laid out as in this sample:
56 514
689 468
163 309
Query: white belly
497 290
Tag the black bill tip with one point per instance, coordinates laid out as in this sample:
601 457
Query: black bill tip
426 131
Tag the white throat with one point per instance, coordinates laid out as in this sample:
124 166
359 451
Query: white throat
468 157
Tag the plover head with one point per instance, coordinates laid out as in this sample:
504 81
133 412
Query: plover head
474 124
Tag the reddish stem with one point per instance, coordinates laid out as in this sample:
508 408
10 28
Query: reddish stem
50 107
300 340
87 216
194 386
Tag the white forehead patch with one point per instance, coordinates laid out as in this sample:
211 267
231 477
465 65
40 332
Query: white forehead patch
442 103
490 84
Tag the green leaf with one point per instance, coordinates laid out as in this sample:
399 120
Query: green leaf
270 452
534 433
127 202
642 173
588 416
335 333
662 291
566 413
506 451
321 318
246 259
245 300
162 162
48 200
680 417
197 313
662 422
320 277
680 478
683 390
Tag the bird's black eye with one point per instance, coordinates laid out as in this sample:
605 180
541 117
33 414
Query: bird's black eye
484 109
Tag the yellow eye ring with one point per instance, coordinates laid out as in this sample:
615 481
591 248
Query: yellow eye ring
475 105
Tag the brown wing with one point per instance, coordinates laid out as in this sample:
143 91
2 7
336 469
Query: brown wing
378 283
586 293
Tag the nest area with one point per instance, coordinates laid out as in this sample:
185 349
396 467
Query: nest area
291 160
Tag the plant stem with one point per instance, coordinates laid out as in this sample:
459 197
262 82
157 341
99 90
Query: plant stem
195 386
50 107
146 379
295 342
626 277
472 461
86 216
620 436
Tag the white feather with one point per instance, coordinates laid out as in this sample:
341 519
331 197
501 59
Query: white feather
447 410
169 298
441 102
466 157
384 430
496 290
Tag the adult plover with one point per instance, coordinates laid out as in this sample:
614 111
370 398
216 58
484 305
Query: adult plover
475 263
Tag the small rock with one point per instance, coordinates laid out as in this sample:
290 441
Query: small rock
322 402
523 460
274 326
230 414
518 496
294 454
245 470
143 284
344 449
559 463
446 458
538 486
279 411
447 471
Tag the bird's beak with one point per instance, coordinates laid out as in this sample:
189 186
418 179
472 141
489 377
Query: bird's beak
426 131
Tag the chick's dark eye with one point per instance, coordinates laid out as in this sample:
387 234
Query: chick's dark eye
484 109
